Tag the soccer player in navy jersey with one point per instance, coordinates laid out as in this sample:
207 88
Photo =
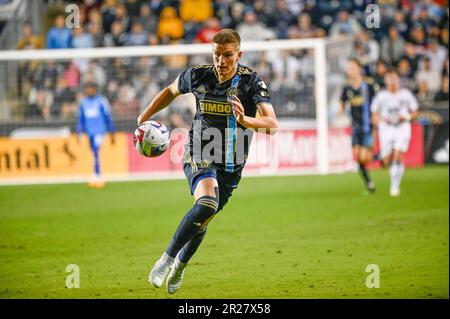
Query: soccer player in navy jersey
228 98
358 94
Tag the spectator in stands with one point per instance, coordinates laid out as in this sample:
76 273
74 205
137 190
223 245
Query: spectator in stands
153 39
437 54
281 19
206 33
195 10
286 70
95 17
423 19
252 30
127 103
59 37
170 26
412 56
392 47
264 67
48 72
418 37
90 5
108 11
148 20
367 50
40 100
119 71
401 23
72 75
429 76
64 101
29 41
442 95
380 72
81 39
96 31
133 8
137 36
117 37
261 14
96 74
345 24
122 16
306 29
406 74
175 63
424 96
237 15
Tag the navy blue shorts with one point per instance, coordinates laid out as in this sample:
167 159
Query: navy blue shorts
360 138
227 181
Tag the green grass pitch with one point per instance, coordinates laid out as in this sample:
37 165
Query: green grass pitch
279 237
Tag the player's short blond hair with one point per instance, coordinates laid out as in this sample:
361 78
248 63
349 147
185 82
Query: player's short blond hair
225 36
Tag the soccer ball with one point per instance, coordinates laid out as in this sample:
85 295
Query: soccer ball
151 139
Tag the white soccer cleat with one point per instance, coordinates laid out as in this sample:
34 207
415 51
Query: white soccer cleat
395 192
160 270
175 277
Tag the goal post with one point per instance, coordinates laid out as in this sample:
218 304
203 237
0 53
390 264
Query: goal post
303 76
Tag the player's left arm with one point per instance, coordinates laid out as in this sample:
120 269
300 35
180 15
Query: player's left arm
267 121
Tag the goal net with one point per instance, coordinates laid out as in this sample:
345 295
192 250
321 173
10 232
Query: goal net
40 93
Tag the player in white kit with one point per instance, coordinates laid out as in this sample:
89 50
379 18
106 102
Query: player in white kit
392 111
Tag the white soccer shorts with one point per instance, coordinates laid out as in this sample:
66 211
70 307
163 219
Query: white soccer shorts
394 137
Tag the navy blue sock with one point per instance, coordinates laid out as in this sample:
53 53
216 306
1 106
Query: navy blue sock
193 222
364 173
96 163
190 248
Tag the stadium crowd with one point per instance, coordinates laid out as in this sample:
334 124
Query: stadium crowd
413 36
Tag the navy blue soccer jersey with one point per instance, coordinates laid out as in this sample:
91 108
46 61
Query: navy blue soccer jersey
360 100
215 135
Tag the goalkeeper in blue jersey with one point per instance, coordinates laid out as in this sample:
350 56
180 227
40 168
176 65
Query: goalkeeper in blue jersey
95 119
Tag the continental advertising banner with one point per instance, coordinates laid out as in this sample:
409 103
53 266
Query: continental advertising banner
60 156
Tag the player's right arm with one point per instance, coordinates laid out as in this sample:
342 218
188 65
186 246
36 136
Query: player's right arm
342 102
161 100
